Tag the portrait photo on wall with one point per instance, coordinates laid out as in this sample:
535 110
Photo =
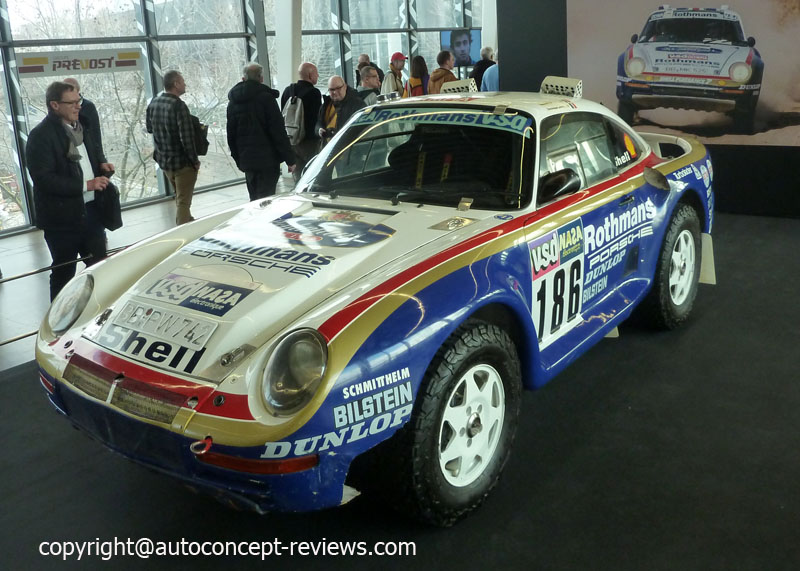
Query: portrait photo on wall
727 74
465 45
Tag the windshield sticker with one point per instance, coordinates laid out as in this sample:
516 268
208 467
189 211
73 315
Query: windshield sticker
629 144
513 123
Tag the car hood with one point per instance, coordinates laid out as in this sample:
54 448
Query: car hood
249 278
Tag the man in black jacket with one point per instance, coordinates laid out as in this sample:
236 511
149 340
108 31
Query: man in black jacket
256 133
66 172
90 120
338 108
312 101
487 61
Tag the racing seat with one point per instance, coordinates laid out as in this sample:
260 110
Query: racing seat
428 157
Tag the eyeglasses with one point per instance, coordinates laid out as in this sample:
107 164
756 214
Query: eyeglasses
332 89
76 102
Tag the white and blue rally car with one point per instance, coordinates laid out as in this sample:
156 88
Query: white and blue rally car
441 254
691 58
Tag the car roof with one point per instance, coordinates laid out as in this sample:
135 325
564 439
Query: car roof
539 105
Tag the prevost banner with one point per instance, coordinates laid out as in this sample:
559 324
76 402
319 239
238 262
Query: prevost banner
75 62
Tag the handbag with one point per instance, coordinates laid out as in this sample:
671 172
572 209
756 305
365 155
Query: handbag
110 208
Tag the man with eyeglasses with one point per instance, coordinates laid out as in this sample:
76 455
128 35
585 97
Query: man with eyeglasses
337 107
90 120
67 172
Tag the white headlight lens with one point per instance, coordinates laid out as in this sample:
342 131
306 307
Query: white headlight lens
70 303
634 66
294 371
741 72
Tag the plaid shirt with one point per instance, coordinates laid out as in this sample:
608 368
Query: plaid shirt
169 121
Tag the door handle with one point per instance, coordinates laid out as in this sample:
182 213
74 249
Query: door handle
625 200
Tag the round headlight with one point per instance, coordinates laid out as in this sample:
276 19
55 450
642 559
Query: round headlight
634 66
69 304
741 72
294 371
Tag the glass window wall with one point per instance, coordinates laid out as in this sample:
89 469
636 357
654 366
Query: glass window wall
211 64
50 19
445 14
198 17
377 14
211 68
13 206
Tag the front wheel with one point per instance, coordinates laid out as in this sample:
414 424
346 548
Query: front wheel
670 301
462 428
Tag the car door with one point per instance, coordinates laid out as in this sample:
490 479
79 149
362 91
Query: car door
581 244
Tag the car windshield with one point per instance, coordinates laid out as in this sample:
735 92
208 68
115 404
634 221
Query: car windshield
707 31
429 155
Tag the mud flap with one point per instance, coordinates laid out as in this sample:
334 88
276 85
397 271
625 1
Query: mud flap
708 274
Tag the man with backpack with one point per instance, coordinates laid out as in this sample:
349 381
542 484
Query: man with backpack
256 133
300 103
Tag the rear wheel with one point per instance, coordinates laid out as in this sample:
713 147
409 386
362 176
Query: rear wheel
670 301
463 425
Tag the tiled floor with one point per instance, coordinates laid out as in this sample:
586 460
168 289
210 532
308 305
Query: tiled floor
23 302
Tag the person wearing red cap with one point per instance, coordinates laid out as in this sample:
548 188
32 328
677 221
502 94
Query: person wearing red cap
393 82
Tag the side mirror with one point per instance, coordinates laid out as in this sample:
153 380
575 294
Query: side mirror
634 37
559 183
751 41
655 178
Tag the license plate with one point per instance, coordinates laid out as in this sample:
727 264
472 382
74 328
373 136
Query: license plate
187 331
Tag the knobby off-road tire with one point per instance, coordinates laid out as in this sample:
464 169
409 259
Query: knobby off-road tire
460 434
670 301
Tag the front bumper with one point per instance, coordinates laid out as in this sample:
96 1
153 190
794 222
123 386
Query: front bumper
678 96
162 450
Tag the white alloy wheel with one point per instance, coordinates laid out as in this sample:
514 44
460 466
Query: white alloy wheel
681 268
471 425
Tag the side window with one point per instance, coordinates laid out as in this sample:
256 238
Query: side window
578 141
626 151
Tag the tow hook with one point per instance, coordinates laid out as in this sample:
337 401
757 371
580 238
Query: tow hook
200 447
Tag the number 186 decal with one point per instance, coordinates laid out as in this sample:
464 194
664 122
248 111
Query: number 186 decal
557 262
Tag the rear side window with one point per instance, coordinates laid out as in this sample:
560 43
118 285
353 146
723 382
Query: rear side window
625 149
579 141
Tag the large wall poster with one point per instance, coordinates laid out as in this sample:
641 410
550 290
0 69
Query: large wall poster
693 70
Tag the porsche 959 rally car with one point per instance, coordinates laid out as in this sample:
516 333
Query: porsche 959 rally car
441 254
691 58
